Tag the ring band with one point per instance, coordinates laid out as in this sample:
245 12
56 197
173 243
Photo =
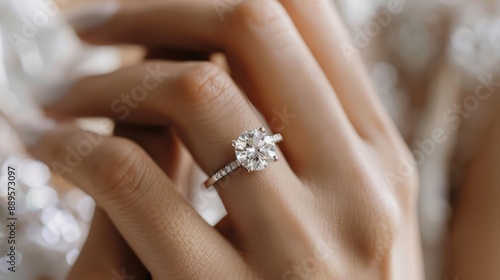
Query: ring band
254 150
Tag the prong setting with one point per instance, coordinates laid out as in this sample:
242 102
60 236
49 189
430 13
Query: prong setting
254 149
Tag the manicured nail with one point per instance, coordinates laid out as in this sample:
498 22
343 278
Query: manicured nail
94 15
31 129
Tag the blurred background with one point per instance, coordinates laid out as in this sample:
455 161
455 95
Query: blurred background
427 60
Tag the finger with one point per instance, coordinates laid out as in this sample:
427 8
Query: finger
474 244
341 64
270 60
167 151
120 16
207 110
114 255
164 148
156 221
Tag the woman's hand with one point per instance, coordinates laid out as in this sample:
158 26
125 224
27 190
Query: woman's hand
340 202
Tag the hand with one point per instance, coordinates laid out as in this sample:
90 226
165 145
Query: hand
340 204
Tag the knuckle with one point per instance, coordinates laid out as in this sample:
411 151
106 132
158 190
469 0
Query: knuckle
397 171
377 224
259 18
119 173
257 13
206 85
409 165
382 230
403 176
316 7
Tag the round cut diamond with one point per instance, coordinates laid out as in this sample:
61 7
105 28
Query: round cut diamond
255 149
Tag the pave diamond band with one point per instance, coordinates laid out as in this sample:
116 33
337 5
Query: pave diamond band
254 150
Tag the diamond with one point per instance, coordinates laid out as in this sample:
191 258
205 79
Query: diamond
255 149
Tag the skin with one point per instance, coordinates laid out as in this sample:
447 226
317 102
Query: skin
341 199
474 246
103 237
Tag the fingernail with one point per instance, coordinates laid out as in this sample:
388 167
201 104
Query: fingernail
93 16
31 129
